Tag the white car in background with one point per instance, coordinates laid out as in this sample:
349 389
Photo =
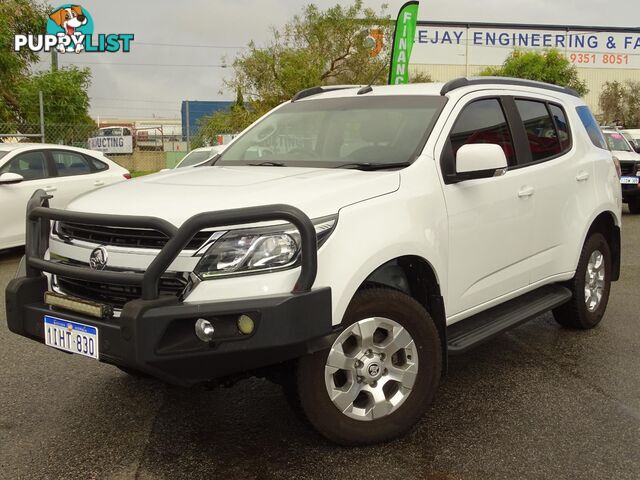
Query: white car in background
200 155
629 166
65 172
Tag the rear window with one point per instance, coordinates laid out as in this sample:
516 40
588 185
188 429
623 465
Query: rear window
593 129
544 142
97 164
617 142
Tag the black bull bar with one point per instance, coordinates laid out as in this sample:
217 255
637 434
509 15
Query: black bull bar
40 215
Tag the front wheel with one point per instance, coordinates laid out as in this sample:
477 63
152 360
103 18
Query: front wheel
590 286
380 374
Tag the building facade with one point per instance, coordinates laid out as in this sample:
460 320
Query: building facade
447 50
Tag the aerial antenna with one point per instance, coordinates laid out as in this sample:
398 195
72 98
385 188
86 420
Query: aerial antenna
369 88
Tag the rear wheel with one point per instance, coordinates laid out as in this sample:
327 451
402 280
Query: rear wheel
590 286
380 374
634 205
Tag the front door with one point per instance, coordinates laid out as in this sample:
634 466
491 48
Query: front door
489 219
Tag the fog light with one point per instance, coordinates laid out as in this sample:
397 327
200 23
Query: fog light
245 324
204 330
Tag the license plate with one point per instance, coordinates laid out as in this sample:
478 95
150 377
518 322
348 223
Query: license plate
71 337
630 180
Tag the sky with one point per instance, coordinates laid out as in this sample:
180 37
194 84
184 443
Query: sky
183 43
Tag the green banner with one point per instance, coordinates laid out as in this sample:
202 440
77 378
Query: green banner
403 38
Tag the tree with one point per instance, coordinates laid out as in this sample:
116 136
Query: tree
317 47
620 103
549 66
66 101
16 16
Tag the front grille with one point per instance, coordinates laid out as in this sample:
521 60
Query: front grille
123 237
116 295
628 168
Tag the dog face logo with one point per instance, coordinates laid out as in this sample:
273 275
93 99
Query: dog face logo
70 22
69 18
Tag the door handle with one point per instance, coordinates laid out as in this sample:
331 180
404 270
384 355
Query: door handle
582 176
98 183
50 189
526 192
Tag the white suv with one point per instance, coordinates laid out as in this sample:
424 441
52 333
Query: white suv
343 245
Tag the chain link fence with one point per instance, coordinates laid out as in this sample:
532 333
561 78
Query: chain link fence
61 134
148 148
138 144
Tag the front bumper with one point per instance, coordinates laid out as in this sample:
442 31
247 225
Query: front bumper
157 336
155 333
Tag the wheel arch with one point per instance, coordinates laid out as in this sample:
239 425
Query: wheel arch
606 224
416 277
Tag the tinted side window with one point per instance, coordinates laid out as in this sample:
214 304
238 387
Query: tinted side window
483 121
70 163
562 126
98 165
593 129
31 165
541 131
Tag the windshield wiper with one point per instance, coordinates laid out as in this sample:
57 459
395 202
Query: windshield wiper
368 166
267 164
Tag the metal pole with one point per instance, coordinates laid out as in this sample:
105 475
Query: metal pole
54 60
466 53
41 116
188 126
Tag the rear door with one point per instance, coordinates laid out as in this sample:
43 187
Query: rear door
562 179
490 219
75 175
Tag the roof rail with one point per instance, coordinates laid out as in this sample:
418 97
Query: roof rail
465 82
308 92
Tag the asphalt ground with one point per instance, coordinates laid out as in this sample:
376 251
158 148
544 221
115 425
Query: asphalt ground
540 402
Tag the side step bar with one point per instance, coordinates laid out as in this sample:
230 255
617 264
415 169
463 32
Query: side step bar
472 331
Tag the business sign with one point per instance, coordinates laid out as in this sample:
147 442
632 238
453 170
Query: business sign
70 28
111 144
474 45
403 38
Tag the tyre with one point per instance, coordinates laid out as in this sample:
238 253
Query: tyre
590 286
634 205
380 374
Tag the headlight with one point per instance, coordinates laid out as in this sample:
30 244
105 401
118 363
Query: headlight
258 249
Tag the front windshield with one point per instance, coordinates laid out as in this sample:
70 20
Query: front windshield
2 154
617 142
195 158
338 131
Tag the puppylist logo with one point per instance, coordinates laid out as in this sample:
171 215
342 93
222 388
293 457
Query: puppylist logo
70 29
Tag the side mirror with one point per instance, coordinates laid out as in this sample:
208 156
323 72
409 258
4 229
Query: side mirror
9 178
480 160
